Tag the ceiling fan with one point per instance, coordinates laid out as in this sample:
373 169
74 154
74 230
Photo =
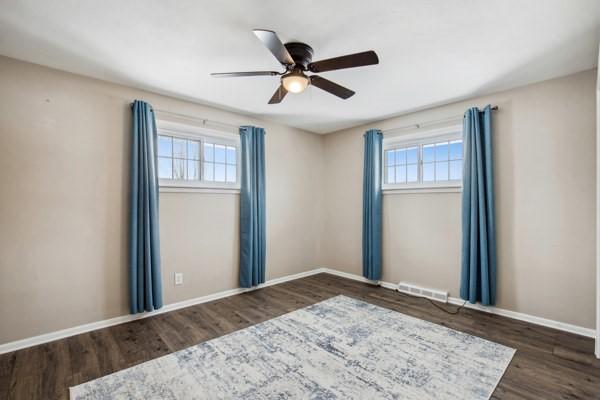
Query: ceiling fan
296 58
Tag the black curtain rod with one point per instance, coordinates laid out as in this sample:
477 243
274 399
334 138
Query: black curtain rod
456 119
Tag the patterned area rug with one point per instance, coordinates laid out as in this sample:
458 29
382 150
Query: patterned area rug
341 348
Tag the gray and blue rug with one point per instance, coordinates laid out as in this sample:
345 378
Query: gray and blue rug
340 348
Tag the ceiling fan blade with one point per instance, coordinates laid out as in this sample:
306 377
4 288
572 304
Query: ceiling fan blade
278 95
349 61
272 42
242 74
331 87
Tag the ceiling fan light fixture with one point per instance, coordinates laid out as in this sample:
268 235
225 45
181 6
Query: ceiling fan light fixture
294 82
296 58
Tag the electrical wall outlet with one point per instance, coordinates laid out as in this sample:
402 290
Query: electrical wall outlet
178 278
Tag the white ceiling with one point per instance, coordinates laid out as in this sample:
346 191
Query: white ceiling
430 51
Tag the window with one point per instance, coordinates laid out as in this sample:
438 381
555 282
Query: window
178 159
430 160
195 158
220 163
402 165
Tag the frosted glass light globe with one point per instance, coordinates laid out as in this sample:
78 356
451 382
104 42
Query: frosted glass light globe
295 82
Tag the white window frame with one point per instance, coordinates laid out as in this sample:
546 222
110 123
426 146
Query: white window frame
203 135
420 138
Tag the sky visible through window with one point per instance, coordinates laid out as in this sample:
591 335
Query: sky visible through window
195 160
440 162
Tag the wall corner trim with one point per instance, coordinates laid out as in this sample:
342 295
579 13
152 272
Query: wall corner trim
64 333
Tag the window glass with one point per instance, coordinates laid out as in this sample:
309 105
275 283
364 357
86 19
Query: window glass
456 152
193 169
390 156
411 155
412 173
231 157
430 162
456 170
428 153
179 168
195 160
441 171
219 154
441 151
231 173
209 151
193 150
428 172
400 173
400 157
219 172
165 146
179 146
165 168
209 172
391 175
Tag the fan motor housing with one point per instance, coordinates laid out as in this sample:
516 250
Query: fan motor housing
301 53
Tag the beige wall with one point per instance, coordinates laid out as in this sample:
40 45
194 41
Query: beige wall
64 143
544 149
63 204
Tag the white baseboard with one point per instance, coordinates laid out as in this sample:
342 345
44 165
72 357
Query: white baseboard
579 330
48 337
76 330
359 278
549 323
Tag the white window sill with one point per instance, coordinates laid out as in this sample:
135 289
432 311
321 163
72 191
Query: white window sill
199 190
422 189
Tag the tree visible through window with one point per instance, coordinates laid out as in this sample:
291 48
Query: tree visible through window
182 159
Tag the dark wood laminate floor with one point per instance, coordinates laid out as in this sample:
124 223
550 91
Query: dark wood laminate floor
549 364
